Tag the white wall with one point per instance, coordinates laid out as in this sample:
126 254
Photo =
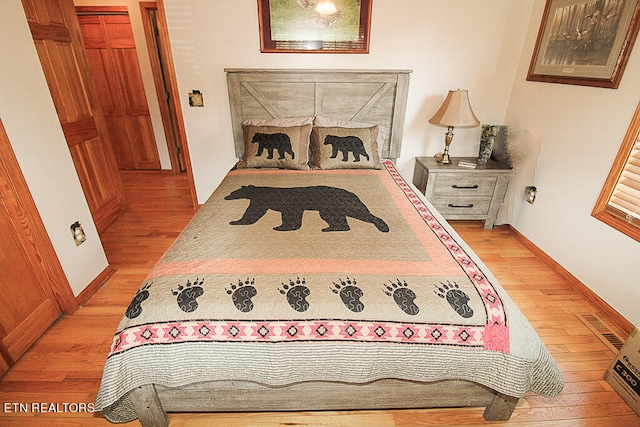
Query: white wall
31 123
448 45
580 131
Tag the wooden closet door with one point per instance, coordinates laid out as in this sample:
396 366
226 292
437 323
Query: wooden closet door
33 288
55 31
113 59
26 308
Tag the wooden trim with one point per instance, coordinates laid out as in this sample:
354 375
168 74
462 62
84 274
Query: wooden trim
174 93
17 342
616 222
575 283
161 93
102 10
95 285
602 210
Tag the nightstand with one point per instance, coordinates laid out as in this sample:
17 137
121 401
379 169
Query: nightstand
463 193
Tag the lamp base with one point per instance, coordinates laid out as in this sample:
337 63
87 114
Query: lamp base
443 158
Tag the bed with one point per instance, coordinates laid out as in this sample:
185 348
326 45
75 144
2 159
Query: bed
317 278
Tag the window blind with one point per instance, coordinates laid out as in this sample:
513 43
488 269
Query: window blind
625 199
619 201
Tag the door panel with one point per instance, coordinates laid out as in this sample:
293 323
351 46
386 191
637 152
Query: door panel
113 59
114 114
27 310
55 30
90 160
29 270
69 95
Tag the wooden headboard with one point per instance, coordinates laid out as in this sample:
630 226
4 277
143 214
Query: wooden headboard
369 96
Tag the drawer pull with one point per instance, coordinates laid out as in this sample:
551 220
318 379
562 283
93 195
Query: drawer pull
464 187
451 205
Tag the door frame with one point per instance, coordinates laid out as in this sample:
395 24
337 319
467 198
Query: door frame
161 72
174 96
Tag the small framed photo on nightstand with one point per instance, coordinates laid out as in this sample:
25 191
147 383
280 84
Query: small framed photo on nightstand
493 144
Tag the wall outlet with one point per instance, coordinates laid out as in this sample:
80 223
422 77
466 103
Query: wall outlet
78 233
196 99
530 194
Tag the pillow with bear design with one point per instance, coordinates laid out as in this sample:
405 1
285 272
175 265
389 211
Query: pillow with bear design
275 147
383 131
344 148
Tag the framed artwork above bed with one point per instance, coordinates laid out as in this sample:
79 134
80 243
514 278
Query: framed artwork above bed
337 26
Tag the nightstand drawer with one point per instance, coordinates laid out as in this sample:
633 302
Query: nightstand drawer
450 206
459 184
462 193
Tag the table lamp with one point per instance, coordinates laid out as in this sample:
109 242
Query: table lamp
454 112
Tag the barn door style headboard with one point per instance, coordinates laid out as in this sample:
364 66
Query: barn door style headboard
368 96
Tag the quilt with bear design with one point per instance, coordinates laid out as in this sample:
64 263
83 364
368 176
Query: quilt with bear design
287 276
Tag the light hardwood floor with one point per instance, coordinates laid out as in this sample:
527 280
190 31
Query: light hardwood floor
65 364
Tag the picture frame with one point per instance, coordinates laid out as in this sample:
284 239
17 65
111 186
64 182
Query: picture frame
585 42
494 144
314 26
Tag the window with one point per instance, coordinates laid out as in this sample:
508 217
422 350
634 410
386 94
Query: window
619 201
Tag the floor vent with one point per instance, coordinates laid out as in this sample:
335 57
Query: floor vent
602 331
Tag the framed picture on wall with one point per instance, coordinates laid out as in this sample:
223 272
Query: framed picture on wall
585 42
314 26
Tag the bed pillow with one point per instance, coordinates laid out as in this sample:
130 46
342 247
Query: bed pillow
344 148
383 132
275 147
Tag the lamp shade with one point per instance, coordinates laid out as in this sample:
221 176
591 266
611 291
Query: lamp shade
455 111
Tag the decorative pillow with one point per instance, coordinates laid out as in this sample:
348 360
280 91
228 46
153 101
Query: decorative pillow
275 147
344 148
383 132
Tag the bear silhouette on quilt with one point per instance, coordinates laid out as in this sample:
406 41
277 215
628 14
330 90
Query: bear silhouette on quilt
333 204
